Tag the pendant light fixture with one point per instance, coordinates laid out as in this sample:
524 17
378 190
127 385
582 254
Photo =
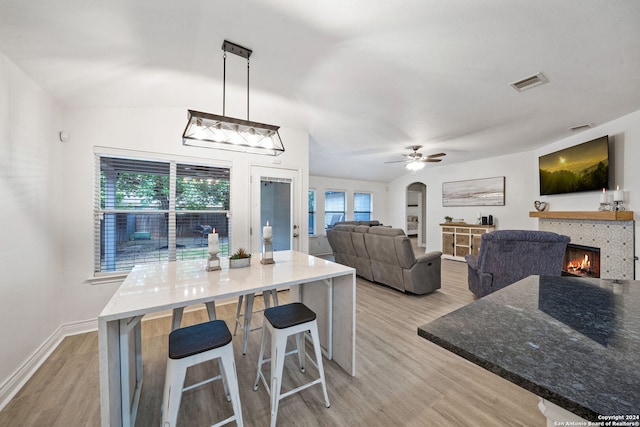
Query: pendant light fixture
228 133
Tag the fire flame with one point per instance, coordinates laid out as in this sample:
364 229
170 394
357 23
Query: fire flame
584 264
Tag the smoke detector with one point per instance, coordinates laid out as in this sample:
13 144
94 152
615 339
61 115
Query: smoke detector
530 82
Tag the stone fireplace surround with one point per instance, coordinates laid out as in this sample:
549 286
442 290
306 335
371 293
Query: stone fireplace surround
612 232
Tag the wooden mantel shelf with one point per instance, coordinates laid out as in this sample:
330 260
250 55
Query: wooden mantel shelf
595 215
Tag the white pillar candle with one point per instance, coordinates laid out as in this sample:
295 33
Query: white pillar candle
266 231
213 242
603 196
618 195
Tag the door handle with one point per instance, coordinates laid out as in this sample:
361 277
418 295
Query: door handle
295 227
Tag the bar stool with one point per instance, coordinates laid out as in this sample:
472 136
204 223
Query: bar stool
282 322
245 323
191 346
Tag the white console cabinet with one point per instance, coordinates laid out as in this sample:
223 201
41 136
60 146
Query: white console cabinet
460 239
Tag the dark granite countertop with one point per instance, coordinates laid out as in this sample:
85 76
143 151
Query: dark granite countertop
572 341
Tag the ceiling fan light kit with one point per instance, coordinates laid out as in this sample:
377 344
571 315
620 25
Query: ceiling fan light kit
416 161
415 166
227 133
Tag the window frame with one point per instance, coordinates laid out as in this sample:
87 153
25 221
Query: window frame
327 225
172 213
370 211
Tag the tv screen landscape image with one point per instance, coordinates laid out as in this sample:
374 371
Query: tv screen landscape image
584 167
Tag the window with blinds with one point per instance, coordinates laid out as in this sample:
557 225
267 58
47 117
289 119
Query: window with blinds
334 207
362 206
148 211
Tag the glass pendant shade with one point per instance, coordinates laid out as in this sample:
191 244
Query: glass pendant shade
228 133
415 166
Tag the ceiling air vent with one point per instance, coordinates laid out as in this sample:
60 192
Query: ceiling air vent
530 82
580 127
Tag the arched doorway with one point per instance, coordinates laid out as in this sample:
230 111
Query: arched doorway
416 212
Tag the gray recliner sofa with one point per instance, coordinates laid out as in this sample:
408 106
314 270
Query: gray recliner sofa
385 255
507 256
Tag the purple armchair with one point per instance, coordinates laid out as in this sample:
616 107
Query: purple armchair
507 256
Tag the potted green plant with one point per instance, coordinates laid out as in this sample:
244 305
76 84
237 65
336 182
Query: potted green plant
240 258
448 218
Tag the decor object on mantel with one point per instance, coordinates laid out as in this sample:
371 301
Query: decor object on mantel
541 206
618 199
228 133
604 201
241 258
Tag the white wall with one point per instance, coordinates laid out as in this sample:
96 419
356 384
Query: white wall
349 186
148 130
522 185
31 244
517 194
624 151
318 244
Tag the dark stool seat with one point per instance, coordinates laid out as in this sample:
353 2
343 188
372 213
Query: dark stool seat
193 345
286 316
283 321
185 342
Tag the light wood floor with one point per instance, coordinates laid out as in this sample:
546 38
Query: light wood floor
402 379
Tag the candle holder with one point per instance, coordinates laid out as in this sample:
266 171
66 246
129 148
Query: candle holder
267 252
606 206
213 262
618 205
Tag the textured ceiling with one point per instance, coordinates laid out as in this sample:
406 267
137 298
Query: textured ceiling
367 78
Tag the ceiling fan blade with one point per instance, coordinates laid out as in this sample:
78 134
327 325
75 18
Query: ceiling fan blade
431 156
399 161
431 160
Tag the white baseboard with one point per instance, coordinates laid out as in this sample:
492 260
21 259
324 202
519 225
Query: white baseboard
12 385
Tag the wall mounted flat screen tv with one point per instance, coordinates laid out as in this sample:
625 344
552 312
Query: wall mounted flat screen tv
584 167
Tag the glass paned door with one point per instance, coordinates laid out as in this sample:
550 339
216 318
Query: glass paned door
273 199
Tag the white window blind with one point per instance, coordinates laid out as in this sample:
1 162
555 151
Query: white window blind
334 207
149 211
362 206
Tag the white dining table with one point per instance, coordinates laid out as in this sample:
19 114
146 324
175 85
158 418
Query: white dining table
326 287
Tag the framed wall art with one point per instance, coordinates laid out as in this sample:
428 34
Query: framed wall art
474 192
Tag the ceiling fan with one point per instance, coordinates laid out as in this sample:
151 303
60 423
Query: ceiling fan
415 161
